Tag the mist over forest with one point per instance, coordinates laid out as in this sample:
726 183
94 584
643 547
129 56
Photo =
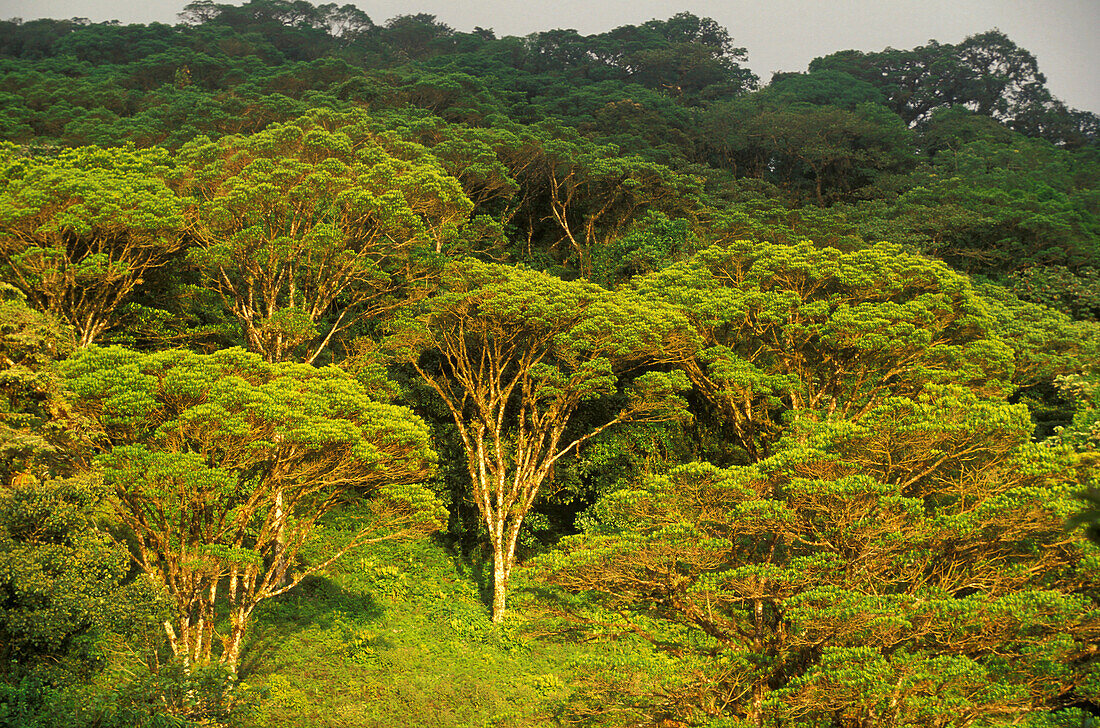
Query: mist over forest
363 373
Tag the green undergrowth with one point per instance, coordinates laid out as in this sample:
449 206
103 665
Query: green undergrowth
397 635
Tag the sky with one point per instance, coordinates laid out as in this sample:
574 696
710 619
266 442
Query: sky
780 35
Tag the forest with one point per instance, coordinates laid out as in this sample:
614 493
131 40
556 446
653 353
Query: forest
359 374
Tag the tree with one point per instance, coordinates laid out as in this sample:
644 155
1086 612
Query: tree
223 466
58 574
986 73
302 226
834 152
697 58
70 604
33 411
905 567
1047 343
36 38
1083 435
562 50
513 354
347 22
823 88
297 28
995 202
648 245
799 328
78 231
468 154
112 44
416 36
1057 123
576 195
1000 79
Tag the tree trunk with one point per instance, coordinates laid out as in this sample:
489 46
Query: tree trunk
232 645
500 583
280 564
173 641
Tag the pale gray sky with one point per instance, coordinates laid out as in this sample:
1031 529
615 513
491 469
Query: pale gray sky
781 35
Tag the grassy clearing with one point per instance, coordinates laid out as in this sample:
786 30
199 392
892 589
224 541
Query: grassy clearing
397 635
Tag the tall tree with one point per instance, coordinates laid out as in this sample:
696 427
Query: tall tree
78 231
302 227
907 567
995 202
986 73
513 354
796 327
417 36
697 60
577 195
823 152
222 467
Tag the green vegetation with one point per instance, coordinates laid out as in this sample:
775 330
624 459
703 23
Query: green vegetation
322 342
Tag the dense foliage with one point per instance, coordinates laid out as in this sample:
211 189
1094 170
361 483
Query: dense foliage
757 403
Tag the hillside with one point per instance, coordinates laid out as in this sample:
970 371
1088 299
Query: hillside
366 374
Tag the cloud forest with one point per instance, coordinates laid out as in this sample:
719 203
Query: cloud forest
361 373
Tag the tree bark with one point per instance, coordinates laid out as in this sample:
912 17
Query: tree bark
500 584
